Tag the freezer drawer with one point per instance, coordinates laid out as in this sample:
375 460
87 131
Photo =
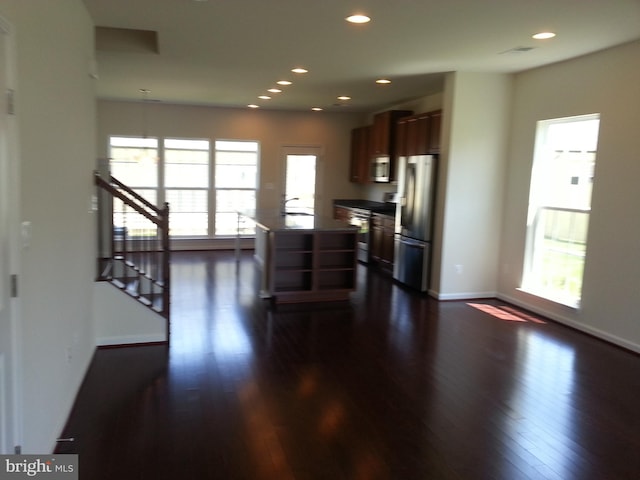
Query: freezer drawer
412 263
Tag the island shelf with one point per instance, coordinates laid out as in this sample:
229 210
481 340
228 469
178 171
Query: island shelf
306 264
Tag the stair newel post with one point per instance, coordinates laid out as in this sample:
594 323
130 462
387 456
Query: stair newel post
100 224
166 273
124 246
145 248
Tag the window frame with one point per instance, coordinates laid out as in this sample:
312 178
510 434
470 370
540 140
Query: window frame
248 231
161 188
207 190
533 252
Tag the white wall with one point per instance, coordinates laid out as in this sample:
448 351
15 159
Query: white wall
608 83
470 187
120 319
272 128
56 122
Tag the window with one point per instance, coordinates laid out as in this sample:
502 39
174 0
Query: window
559 207
186 186
134 161
180 173
236 180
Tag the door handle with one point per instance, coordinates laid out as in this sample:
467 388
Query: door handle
412 243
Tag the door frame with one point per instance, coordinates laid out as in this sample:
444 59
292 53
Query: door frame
11 437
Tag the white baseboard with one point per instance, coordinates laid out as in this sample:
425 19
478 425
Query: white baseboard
129 340
462 296
596 332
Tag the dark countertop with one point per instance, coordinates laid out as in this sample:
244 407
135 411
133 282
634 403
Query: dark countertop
370 205
273 220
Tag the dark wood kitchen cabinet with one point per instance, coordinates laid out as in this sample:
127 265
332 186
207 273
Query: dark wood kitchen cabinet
383 139
419 134
435 129
403 136
382 240
360 169
412 135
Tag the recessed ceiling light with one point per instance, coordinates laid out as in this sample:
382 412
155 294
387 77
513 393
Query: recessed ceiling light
358 18
543 35
264 97
253 105
383 81
344 97
316 109
274 90
283 82
299 70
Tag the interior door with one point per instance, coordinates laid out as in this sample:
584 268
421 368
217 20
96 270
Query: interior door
8 352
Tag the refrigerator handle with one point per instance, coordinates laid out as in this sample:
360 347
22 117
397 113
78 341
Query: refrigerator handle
412 243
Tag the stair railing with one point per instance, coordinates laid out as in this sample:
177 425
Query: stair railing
133 244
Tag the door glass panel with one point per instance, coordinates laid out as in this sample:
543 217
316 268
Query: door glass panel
300 183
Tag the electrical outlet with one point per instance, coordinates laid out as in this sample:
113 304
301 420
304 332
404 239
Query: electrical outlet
459 269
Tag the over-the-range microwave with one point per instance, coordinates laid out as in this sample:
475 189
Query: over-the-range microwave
381 169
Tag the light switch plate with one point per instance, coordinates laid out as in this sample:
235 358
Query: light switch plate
25 234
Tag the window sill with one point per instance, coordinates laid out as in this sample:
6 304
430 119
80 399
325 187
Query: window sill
549 297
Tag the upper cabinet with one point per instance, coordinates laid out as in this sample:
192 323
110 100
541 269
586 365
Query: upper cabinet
384 140
419 134
435 123
360 171
394 133
384 132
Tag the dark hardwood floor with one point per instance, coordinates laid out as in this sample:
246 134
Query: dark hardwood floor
391 385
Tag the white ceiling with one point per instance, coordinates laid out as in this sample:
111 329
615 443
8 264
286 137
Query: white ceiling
227 52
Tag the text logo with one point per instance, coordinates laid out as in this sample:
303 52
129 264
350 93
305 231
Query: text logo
51 467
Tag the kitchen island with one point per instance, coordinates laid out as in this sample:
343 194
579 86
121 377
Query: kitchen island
305 258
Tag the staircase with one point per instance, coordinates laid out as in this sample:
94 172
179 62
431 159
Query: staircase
133 245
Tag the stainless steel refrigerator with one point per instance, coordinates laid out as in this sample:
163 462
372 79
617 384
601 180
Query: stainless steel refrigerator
414 220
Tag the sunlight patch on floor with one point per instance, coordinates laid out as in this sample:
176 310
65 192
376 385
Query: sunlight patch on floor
506 313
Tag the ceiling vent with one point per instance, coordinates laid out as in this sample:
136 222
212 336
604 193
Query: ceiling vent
517 50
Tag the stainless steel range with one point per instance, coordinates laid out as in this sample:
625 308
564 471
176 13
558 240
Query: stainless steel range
361 219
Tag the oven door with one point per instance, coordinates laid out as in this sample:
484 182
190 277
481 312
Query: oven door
362 222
